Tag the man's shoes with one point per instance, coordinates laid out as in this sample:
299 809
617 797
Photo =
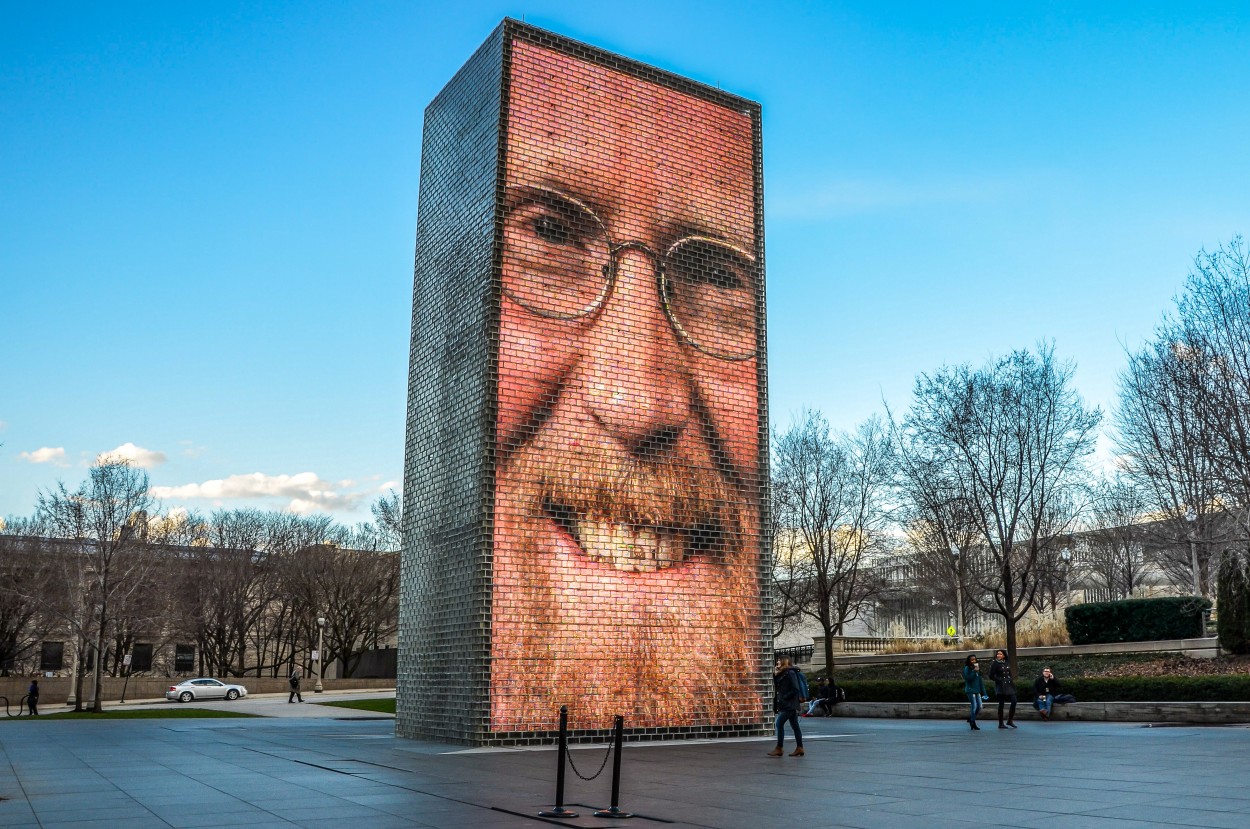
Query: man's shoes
776 752
1011 724
1001 725
1045 715
798 752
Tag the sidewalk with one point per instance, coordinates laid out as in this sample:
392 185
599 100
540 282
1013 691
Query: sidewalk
274 705
865 774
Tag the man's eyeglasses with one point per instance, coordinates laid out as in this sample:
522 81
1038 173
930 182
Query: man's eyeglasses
560 263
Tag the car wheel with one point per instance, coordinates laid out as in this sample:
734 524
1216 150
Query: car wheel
232 695
186 696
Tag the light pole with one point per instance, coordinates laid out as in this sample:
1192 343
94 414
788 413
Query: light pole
1066 555
321 657
1192 518
959 593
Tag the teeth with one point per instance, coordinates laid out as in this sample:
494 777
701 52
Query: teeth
626 547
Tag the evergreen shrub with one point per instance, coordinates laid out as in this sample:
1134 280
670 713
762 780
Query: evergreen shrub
1233 590
1136 620
1221 688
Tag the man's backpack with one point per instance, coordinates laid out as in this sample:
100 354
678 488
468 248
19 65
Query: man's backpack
837 694
801 680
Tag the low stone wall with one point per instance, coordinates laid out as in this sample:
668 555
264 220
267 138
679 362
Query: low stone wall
55 690
1152 712
1207 648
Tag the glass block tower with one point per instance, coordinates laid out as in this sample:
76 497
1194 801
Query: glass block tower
586 471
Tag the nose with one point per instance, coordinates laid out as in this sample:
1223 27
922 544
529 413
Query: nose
635 384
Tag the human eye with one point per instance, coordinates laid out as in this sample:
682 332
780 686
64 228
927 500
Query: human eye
548 221
711 267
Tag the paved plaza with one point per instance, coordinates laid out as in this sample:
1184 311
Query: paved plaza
312 769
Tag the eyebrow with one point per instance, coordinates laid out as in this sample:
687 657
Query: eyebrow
679 229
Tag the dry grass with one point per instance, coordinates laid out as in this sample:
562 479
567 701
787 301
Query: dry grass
1037 633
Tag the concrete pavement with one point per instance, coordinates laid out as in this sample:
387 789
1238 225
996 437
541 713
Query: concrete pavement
268 705
866 774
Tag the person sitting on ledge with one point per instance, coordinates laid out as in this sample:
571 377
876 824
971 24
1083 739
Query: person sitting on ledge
822 702
1045 689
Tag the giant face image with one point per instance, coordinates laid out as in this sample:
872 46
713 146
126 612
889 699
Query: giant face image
627 488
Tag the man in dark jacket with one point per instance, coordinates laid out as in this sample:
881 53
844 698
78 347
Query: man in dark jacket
294 683
1004 688
786 698
1045 689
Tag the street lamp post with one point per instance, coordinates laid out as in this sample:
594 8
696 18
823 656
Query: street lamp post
321 657
959 593
1066 555
1192 518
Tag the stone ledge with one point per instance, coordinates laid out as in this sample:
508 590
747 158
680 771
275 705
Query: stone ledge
1204 648
1169 712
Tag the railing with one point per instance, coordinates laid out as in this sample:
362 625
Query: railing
799 654
877 644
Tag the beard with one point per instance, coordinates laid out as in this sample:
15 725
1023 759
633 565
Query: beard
623 586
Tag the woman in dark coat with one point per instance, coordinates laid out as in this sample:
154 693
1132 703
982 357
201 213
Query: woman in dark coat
1004 687
974 688
786 698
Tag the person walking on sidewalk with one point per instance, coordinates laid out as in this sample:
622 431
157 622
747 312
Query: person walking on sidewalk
1004 688
974 688
786 698
32 698
294 683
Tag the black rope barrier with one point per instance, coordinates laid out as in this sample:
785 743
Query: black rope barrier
563 757
562 754
618 739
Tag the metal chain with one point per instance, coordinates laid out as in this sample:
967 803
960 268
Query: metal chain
602 765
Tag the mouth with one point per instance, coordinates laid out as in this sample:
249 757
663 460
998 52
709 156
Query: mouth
630 547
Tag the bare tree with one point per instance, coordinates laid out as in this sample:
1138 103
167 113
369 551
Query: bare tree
1184 414
938 523
1111 551
106 518
829 508
26 580
388 513
354 587
1008 440
1162 438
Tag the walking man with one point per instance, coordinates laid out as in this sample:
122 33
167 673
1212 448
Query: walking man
294 681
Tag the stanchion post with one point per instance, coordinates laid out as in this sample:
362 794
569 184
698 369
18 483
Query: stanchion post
562 754
618 740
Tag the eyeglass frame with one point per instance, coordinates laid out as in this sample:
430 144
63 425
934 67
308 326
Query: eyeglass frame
658 260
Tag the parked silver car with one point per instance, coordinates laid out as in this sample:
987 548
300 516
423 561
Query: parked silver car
204 688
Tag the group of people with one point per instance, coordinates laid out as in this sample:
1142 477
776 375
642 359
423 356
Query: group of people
1046 690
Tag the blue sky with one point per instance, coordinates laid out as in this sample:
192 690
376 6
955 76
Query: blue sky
208 212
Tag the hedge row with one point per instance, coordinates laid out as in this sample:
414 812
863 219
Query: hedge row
1224 688
1136 620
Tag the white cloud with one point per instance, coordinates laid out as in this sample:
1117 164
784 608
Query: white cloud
308 493
137 455
191 450
46 454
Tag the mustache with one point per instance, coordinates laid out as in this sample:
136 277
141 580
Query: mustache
679 504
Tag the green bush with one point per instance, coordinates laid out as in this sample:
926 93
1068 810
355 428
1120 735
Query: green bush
1233 622
1136 620
1226 688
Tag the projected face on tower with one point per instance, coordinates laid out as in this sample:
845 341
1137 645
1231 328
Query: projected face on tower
627 520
